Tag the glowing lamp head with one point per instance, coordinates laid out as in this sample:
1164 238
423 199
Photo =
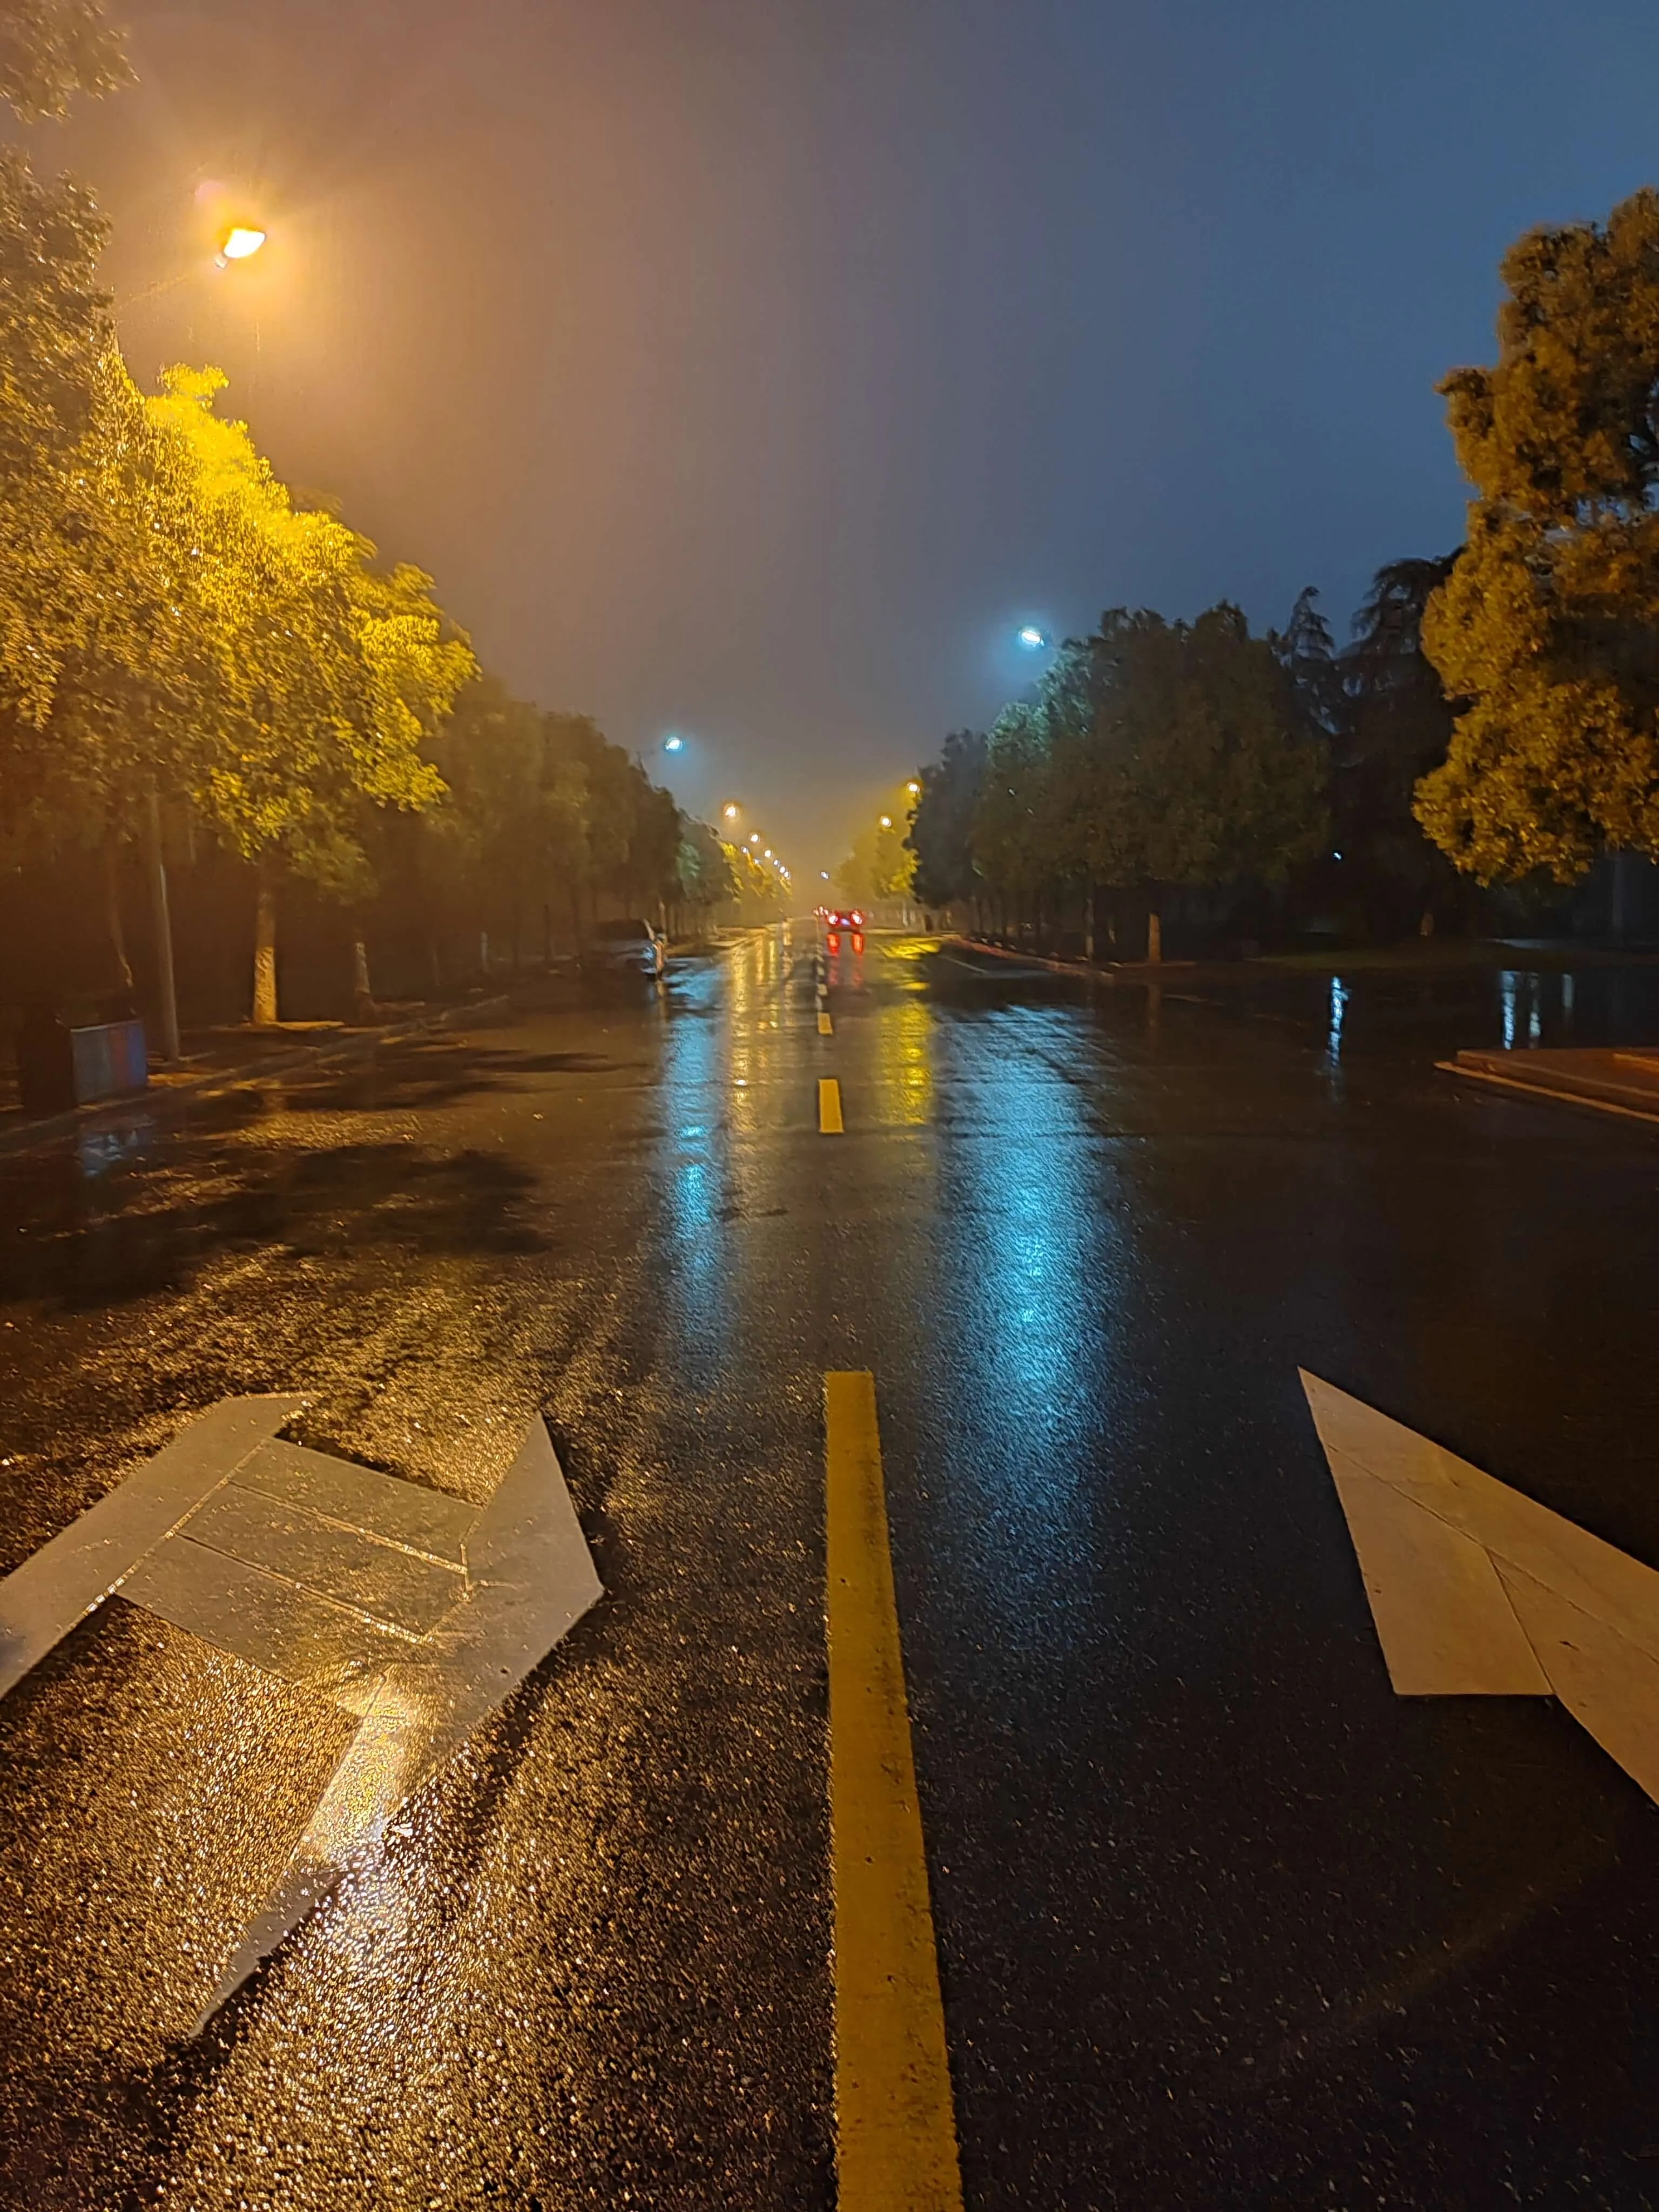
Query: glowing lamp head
730 809
1032 638
753 837
914 789
241 243
673 745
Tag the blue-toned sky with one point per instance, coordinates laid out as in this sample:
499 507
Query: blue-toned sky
751 368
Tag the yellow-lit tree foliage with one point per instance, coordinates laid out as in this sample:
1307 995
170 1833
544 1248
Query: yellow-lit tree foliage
1546 634
318 681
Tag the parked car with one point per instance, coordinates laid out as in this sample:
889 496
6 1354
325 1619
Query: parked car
624 948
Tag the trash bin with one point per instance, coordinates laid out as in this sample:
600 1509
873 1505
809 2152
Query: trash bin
45 1061
110 1061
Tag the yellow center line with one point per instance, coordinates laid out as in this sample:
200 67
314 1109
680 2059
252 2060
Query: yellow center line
829 1121
896 2136
826 1027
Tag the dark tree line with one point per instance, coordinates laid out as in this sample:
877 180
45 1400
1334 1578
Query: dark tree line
1239 782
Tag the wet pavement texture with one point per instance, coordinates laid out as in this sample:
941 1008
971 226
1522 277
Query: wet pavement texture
1221 1920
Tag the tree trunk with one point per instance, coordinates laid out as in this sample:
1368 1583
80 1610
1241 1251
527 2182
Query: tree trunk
362 996
1154 938
264 951
166 994
117 927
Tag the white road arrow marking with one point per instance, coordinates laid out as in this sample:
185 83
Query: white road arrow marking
1476 1589
418 1612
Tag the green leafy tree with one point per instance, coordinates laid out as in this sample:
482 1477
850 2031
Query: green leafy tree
322 679
881 864
1396 726
1199 775
512 839
1547 632
704 874
941 822
50 50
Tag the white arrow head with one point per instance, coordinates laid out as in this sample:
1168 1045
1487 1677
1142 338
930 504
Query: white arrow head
1477 1590
530 1578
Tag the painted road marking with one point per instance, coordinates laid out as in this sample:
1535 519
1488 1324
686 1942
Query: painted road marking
826 1027
895 2133
829 1121
417 1613
1475 1588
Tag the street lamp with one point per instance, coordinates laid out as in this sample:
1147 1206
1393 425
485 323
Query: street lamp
753 837
914 789
673 745
730 810
240 243
886 821
1032 638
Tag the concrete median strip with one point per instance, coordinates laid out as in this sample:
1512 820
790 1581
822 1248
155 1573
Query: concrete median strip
1475 1589
414 1611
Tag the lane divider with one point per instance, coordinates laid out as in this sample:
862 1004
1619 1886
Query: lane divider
829 1121
826 1027
896 2135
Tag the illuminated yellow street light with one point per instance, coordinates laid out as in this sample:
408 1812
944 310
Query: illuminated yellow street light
914 789
730 810
886 821
753 837
240 243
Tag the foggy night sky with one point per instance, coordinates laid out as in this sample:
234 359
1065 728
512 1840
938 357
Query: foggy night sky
752 368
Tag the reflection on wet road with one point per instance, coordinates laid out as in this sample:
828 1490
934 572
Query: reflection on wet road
1220 1920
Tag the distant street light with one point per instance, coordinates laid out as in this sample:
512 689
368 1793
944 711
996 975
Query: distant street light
673 745
730 810
1032 638
914 789
886 821
240 243
753 837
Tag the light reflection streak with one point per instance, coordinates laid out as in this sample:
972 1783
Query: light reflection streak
1038 1253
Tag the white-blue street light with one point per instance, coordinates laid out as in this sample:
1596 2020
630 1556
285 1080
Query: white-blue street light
673 745
1032 638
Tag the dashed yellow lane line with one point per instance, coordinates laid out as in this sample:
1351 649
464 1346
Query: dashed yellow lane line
826 1027
896 2135
829 1121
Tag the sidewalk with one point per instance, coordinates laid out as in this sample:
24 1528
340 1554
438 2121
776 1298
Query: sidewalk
220 1059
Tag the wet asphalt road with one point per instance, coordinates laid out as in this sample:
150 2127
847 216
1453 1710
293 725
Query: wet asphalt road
1221 1921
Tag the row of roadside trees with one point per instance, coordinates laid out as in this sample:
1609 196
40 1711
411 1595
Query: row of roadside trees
1494 719
194 664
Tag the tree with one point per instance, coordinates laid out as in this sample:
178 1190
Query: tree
1396 726
942 820
1307 652
322 679
513 832
1192 769
703 872
1547 632
51 49
881 864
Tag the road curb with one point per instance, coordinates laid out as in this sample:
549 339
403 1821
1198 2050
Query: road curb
35 1135
1133 971
1546 1093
